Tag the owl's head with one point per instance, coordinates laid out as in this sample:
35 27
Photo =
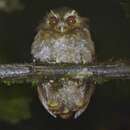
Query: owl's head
63 20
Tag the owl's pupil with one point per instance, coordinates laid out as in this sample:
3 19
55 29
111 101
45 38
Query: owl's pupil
71 20
53 20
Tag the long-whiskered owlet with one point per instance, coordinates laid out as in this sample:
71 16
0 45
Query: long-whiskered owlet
64 38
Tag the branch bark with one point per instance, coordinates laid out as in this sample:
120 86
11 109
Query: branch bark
98 72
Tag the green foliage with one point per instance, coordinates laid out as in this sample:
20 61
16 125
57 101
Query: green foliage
10 82
126 7
15 103
10 5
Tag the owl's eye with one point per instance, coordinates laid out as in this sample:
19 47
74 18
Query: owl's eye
53 20
71 20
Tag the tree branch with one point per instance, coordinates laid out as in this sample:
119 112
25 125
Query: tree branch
98 72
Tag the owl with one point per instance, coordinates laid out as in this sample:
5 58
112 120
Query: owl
64 38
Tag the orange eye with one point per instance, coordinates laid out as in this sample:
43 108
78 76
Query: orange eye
53 20
71 20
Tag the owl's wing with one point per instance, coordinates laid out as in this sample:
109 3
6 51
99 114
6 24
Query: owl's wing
40 48
88 98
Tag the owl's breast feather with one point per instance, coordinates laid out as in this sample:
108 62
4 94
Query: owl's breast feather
64 49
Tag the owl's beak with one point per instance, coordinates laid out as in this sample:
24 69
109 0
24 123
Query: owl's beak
61 27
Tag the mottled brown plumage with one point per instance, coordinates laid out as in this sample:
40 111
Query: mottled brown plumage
63 38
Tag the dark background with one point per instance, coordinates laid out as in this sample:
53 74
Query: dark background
109 108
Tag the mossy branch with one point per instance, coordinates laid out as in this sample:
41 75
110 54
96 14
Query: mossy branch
30 73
